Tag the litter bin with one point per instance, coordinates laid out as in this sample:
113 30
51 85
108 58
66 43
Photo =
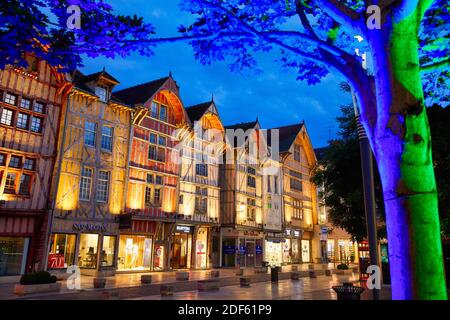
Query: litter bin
348 292
274 273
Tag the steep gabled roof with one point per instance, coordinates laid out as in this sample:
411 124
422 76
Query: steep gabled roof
243 125
141 93
197 111
287 135
96 75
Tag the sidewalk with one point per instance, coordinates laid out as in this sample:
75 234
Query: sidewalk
129 285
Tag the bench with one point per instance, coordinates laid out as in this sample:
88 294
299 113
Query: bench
182 275
260 270
244 281
328 273
312 274
166 290
146 278
295 275
214 274
208 285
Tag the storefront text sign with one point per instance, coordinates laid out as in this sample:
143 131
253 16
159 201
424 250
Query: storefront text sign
184 229
56 261
89 227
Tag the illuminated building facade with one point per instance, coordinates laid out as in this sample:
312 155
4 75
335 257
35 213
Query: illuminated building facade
242 233
299 194
30 107
152 213
90 176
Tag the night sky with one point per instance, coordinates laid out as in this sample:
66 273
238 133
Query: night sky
275 96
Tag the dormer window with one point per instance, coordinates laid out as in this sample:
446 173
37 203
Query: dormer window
102 93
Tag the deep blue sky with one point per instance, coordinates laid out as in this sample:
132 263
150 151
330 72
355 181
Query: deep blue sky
276 97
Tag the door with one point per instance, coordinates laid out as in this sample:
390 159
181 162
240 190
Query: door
250 254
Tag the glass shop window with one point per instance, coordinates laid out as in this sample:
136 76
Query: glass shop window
62 251
108 250
87 255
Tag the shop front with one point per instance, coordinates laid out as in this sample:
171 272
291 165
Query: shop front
190 247
274 248
291 246
242 248
13 255
90 246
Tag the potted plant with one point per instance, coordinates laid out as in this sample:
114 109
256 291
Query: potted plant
38 282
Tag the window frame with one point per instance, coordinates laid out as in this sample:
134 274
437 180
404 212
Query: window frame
89 131
101 182
90 179
111 139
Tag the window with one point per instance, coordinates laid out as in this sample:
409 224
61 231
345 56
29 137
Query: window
150 178
251 170
107 256
152 194
38 107
25 103
103 186
29 164
36 124
201 200
62 251
162 141
295 174
15 162
159 180
7 117
154 110
201 169
295 184
163 113
297 211
107 137
152 138
161 154
87 256
10 184
269 182
90 132
2 159
297 152
152 155
275 185
157 197
85 184
10 98
22 121
148 195
101 93
251 182
251 209
25 184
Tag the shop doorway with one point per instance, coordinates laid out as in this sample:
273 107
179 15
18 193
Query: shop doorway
250 254
228 252
181 251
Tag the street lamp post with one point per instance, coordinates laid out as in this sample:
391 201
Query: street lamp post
368 181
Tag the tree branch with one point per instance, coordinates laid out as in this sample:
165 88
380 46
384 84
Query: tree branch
304 19
429 67
342 14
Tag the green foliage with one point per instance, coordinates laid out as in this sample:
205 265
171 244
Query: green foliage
40 277
340 174
342 266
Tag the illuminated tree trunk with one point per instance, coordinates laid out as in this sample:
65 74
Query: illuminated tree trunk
401 141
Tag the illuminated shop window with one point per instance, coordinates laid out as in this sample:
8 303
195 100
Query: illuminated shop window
109 247
87 255
62 251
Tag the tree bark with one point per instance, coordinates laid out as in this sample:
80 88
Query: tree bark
401 143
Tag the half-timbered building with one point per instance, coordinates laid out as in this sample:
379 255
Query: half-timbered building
242 236
299 193
30 107
90 176
199 192
153 177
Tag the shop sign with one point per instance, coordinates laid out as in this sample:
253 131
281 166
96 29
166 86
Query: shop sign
229 249
297 233
184 229
251 233
288 232
242 249
89 227
258 249
55 261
